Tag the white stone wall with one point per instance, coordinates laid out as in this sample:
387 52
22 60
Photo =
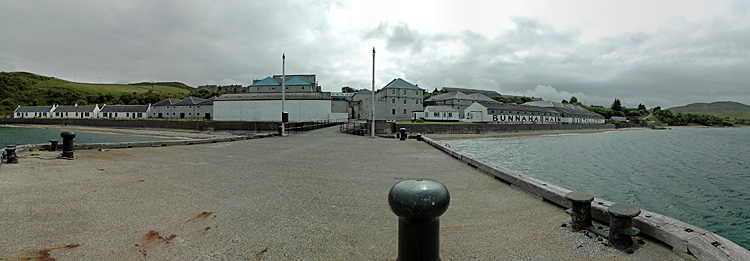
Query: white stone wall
270 110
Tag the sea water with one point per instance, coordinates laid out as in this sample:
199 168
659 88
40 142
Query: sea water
21 136
697 175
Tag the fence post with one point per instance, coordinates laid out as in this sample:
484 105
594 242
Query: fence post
419 203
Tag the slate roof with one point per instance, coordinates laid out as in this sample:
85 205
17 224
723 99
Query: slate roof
80 108
516 107
296 80
167 102
189 101
209 101
478 97
471 91
274 96
125 108
268 81
364 91
440 109
401 84
34 109
449 96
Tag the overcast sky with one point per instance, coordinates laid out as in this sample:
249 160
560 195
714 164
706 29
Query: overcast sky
659 53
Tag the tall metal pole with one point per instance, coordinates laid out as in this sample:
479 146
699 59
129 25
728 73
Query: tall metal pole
372 110
283 90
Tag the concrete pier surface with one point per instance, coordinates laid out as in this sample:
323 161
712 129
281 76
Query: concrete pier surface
318 195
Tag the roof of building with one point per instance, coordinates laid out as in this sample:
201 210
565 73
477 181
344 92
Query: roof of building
470 91
79 108
516 107
563 108
296 80
401 84
440 109
167 102
34 109
125 108
190 101
266 82
274 96
478 97
450 96
364 91
209 101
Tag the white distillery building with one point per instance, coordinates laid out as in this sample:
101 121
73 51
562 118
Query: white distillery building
33 111
125 111
437 113
312 106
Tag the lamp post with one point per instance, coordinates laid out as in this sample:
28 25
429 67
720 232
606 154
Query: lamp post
283 90
372 110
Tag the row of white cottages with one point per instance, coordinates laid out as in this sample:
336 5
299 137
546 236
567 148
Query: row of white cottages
311 106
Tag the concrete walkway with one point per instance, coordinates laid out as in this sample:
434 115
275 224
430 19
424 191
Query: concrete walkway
317 195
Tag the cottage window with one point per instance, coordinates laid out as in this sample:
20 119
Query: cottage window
404 101
417 100
450 114
140 115
404 111
393 100
393 92
404 92
127 114
436 114
393 111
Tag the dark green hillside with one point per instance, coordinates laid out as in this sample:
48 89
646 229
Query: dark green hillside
722 109
28 89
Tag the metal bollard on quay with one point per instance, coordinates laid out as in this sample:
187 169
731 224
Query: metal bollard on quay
403 133
419 203
580 210
621 227
67 148
52 145
10 155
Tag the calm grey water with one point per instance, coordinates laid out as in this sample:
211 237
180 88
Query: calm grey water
698 175
20 136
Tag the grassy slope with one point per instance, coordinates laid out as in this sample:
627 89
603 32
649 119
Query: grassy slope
112 88
23 88
719 109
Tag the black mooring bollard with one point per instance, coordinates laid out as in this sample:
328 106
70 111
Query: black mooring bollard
621 224
67 137
52 145
403 133
419 137
580 210
10 154
418 203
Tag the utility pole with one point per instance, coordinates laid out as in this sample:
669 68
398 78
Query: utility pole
372 110
283 90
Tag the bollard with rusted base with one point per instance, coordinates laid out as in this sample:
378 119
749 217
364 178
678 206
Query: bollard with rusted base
52 145
580 210
418 203
621 225
10 154
67 137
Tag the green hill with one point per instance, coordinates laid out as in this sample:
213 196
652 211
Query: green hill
28 89
720 109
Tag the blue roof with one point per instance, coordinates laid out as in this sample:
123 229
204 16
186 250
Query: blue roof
401 84
266 82
364 91
296 80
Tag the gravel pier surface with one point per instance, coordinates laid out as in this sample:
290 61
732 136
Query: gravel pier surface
319 195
